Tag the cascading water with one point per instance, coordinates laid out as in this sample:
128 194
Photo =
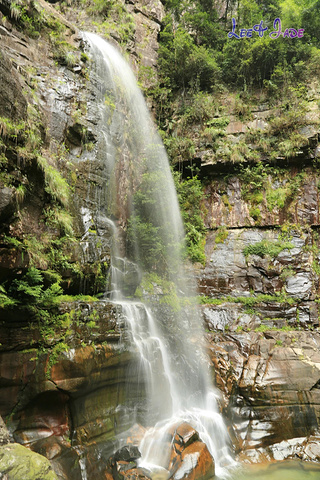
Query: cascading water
167 333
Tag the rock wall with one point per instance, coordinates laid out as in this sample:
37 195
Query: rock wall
260 288
64 375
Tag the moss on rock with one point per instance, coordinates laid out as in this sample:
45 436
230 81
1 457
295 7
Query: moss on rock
19 463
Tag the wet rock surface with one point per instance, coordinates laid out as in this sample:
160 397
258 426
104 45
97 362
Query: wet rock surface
7 202
229 271
270 382
190 458
13 104
262 322
81 397
228 202
123 464
73 393
182 455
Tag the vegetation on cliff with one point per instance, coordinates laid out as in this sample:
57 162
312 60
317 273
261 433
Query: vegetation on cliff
207 81
39 244
199 68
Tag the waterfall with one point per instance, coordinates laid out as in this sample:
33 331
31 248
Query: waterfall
165 325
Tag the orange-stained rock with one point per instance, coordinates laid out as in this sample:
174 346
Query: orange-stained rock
190 458
135 434
47 415
135 474
194 463
108 475
186 434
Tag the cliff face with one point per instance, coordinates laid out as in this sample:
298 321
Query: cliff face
62 371
261 292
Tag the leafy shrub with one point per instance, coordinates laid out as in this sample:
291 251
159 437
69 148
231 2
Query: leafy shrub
30 289
267 247
191 196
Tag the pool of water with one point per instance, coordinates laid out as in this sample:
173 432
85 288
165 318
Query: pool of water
289 470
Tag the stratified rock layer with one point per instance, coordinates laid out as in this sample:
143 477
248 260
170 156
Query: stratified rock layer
271 383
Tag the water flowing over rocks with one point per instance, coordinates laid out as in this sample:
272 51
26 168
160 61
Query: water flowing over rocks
190 458
185 457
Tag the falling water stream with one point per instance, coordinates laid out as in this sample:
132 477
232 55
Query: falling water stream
142 199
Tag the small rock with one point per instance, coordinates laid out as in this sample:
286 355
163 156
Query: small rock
136 474
299 285
128 453
312 451
123 466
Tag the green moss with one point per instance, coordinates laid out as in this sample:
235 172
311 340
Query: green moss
12 130
115 19
287 272
267 247
221 235
55 185
57 217
74 298
203 299
191 200
226 202
277 198
255 213
54 356
249 301
165 291
20 463
263 328
92 324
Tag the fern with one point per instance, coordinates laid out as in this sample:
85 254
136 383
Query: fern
5 301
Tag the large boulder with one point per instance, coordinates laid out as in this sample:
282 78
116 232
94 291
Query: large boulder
194 463
19 463
190 457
